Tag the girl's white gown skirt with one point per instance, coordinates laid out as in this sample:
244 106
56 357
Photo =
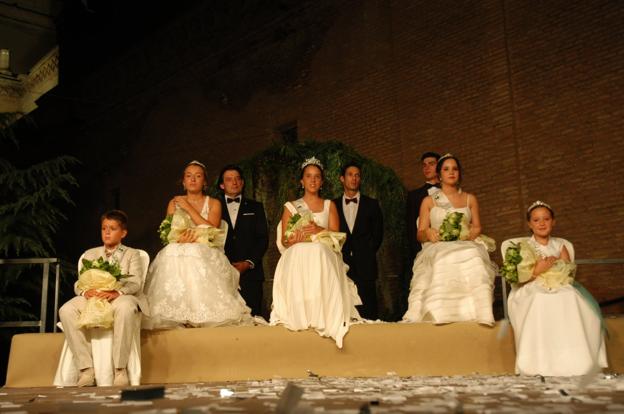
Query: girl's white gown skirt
193 284
311 290
557 333
452 282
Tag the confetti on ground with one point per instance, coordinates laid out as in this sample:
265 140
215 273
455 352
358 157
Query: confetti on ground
389 394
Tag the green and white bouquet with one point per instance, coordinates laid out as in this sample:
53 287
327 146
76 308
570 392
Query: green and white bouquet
510 263
103 276
297 222
172 227
520 260
164 229
454 227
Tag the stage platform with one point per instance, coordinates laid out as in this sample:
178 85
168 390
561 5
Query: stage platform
265 352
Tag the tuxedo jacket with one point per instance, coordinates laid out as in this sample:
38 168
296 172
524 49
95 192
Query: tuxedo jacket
414 200
130 264
360 248
249 239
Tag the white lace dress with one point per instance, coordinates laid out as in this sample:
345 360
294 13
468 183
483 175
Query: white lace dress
453 280
311 288
557 332
192 284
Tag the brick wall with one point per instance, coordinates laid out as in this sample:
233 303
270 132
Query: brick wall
529 95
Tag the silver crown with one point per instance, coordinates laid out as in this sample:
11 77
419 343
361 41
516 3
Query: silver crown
537 204
445 156
312 161
195 162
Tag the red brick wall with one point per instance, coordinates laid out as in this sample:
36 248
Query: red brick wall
529 96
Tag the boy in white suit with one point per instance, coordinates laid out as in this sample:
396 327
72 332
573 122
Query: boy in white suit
127 302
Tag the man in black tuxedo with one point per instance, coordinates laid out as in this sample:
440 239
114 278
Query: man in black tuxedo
429 160
360 217
247 237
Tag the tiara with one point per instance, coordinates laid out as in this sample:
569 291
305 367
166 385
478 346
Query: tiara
312 161
447 155
195 162
537 204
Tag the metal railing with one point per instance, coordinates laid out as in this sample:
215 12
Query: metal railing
46 262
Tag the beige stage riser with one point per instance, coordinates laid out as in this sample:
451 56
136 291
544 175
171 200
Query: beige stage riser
264 352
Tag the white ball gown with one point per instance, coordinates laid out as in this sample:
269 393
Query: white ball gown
557 332
452 281
311 288
193 284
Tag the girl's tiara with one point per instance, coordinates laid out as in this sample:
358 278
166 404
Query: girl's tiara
312 161
537 204
195 162
445 156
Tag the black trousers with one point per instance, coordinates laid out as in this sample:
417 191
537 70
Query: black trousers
251 291
367 289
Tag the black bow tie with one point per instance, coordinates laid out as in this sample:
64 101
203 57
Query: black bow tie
429 185
232 200
350 200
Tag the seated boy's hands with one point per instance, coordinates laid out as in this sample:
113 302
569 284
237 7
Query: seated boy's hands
109 295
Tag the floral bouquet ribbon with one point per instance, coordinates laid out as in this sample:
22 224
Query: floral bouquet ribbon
520 260
333 239
104 276
172 228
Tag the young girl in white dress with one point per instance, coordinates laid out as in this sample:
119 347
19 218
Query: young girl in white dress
558 332
311 288
453 280
191 283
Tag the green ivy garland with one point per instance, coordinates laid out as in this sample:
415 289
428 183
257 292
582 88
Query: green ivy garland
272 177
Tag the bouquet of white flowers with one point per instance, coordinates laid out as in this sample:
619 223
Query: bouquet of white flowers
297 222
172 228
455 226
164 229
104 276
520 260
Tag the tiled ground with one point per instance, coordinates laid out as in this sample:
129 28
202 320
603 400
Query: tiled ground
390 394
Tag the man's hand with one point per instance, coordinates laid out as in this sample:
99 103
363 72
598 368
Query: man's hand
242 267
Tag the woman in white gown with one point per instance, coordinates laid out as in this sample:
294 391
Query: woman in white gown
558 332
191 283
311 288
453 280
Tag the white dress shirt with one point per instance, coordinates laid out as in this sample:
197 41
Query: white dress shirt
233 208
350 210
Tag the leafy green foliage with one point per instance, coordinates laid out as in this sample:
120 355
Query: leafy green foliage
29 212
272 177
113 268
31 201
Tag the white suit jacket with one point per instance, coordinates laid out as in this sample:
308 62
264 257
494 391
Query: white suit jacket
130 263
